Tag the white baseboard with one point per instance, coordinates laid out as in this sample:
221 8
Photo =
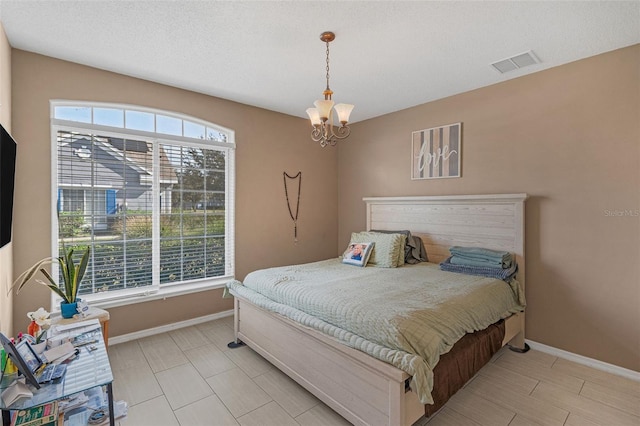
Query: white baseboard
589 362
169 327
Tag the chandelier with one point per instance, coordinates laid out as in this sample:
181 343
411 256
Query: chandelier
322 116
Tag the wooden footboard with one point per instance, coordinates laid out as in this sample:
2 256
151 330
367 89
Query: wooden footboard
362 389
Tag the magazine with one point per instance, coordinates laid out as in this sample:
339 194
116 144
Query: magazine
42 415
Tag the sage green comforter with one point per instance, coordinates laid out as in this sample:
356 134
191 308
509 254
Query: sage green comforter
406 316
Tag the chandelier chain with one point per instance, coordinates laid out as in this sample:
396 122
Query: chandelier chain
328 66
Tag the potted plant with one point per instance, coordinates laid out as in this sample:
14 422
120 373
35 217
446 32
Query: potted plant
71 273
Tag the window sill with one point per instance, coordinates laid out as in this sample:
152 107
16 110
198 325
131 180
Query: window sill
162 293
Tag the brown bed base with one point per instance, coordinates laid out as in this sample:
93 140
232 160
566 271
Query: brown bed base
462 362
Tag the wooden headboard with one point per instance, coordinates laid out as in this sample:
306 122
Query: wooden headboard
489 221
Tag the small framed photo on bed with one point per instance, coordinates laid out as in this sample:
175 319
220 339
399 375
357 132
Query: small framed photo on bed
436 152
357 254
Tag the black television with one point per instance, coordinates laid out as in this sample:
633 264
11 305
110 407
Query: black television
7 181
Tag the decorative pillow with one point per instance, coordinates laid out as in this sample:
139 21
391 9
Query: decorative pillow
358 253
402 258
414 251
389 248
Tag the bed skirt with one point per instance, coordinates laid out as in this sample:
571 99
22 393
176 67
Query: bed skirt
462 362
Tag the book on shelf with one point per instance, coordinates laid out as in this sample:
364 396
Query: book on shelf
42 415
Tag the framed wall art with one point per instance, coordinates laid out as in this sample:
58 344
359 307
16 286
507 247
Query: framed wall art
436 152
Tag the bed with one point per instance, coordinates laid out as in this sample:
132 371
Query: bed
357 379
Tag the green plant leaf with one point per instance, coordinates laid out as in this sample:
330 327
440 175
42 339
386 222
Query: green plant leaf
70 273
80 271
26 276
53 286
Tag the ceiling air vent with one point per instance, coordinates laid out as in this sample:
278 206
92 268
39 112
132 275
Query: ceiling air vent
516 62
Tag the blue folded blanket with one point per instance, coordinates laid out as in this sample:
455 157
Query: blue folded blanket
477 256
504 274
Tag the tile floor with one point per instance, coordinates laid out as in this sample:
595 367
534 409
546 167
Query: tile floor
190 377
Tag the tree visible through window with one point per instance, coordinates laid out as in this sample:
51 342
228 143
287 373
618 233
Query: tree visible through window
192 233
157 209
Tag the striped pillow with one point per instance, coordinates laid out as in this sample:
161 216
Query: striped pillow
388 250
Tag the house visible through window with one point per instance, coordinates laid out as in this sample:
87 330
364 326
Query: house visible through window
88 204
150 192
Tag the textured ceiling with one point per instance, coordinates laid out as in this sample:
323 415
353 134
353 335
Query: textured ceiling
387 56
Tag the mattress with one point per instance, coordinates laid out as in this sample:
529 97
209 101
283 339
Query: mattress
407 316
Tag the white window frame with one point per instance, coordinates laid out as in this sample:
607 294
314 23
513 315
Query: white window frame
155 290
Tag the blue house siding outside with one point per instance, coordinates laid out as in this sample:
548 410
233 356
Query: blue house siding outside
93 173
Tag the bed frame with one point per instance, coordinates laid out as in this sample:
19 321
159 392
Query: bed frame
365 390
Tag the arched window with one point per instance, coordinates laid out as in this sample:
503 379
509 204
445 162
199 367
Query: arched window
151 192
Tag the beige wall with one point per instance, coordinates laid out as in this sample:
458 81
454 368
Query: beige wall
6 252
570 138
268 143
